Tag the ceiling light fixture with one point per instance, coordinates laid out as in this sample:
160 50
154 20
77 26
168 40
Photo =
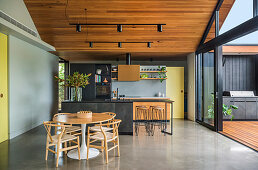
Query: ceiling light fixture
159 27
78 28
119 28
90 44
119 44
148 44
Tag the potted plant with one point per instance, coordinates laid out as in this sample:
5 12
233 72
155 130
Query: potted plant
162 74
226 109
76 82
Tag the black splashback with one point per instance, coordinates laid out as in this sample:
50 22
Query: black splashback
89 91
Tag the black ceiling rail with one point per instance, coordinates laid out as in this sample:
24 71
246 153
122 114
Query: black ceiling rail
239 31
208 27
119 26
119 43
112 24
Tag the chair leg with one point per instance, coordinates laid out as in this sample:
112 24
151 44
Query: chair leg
106 150
65 145
118 149
46 150
79 152
102 146
58 152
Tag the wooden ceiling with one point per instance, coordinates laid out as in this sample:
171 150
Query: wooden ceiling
185 22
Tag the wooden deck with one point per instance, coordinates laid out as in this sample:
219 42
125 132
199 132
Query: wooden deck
245 132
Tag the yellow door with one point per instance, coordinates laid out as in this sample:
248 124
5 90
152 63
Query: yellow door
175 89
3 88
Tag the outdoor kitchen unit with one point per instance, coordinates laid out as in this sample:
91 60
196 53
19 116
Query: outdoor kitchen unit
246 102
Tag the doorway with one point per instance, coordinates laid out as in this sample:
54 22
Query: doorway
3 88
175 89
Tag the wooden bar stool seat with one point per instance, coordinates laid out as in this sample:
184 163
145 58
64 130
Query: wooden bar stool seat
158 117
141 118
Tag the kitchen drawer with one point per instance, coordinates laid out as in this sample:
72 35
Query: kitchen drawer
251 110
240 113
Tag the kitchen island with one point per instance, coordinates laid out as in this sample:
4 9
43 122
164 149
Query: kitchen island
124 108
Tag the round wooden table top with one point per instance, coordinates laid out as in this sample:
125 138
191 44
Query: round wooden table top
73 119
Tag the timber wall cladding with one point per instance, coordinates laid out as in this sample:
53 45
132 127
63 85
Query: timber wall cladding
239 72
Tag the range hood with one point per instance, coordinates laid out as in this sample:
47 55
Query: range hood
128 72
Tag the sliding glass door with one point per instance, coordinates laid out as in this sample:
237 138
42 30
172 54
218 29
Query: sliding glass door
206 89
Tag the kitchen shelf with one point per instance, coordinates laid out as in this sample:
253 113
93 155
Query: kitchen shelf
152 78
114 71
153 71
114 78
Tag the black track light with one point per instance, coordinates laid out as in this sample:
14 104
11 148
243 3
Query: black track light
149 44
119 28
78 28
119 44
91 44
159 27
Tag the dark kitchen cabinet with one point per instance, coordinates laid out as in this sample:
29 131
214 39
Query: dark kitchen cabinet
250 108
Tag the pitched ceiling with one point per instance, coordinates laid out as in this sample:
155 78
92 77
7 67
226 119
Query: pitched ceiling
185 23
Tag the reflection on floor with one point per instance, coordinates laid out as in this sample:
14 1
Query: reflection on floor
245 132
192 147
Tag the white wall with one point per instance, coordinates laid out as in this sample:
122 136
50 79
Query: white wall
191 86
18 11
32 88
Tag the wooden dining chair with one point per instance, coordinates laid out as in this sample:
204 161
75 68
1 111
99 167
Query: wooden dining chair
58 139
107 128
105 137
72 130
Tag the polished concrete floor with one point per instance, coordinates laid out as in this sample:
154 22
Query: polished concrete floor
191 147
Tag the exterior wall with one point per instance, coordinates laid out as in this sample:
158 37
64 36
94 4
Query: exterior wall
33 93
191 86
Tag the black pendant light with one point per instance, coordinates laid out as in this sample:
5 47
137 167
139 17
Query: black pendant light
159 27
119 28
78 28
119 44
148 44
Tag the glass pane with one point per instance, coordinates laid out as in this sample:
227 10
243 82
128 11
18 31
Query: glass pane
240 12
199 87
60 85
208 87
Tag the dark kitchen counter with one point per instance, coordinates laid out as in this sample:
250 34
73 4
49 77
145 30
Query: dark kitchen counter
123 100
123 109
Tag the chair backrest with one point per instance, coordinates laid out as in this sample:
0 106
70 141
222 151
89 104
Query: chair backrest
111 114
49 124
59 114
114 124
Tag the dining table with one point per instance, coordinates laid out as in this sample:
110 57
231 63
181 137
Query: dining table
73 119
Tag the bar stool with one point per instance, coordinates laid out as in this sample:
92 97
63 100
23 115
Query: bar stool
158 117
141 118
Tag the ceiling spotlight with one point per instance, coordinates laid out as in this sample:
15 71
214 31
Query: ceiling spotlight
78 28
119 44
159 27
119 28
91 44
149 44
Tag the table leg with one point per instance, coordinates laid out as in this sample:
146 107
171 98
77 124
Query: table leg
92 151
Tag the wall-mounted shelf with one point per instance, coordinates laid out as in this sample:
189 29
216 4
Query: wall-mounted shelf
152 78
153 71
146 71
114 78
